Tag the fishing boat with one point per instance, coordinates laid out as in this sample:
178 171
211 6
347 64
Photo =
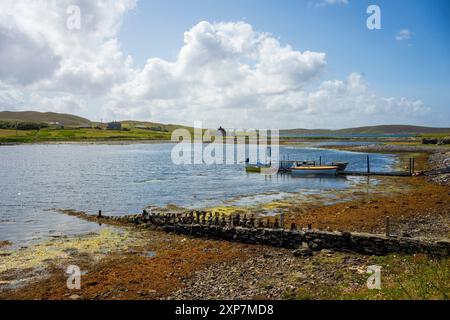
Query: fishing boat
314 170
341 165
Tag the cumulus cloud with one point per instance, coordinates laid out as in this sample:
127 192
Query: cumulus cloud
38 48
10 98
225 69
24 60
221 65
225 73
65 103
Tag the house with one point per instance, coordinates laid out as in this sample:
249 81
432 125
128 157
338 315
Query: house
114 126
56 125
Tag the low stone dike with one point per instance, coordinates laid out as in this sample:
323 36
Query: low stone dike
255 231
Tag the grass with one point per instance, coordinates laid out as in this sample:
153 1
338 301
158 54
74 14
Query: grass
436 135
56 135
418 277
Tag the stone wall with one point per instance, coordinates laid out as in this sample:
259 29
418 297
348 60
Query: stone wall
255 231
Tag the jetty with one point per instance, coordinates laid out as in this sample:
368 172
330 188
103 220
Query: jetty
286 165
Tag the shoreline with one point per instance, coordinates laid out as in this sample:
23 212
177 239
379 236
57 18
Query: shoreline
87 142
185 268
390 148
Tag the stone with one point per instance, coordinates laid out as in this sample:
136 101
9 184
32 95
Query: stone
299 276
303 251
406 235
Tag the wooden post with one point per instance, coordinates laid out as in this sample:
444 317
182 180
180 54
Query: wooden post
99 213
388 227
410 166
309 226
282 220
368 164
413 165
320 161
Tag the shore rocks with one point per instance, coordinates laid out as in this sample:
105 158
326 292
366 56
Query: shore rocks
279 277
309 240
303 251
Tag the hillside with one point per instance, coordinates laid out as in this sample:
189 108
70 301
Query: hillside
72 120
383 129
33 116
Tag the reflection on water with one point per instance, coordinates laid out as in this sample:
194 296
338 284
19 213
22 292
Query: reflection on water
123 179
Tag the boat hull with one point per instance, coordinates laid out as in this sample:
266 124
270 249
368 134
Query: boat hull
251 169
341 166
307 171
255 169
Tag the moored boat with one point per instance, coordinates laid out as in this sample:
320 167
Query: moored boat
255 168
314 170
341 165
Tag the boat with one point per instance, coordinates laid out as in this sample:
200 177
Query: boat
255 168
314 170
341 165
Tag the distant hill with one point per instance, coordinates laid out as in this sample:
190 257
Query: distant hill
384 129
33 116
72 120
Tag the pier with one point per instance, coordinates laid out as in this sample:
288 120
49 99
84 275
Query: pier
286 165
380 174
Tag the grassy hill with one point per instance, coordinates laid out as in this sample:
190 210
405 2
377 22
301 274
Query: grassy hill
144 130
132 130
384 129
33 116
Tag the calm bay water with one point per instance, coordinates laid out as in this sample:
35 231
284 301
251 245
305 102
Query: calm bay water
123 179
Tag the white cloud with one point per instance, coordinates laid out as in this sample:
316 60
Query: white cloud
403 34
10 98
39 49
62 103
225 73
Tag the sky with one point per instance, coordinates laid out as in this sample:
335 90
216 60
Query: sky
235 63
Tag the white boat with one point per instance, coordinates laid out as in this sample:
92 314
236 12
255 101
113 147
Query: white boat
314 170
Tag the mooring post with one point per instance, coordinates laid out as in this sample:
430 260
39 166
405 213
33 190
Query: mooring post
388 226
410 166
282 220
99 213
276 225
368 164
320 161
413 165
309 226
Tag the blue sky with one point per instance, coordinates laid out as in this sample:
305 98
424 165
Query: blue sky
418 68
235 63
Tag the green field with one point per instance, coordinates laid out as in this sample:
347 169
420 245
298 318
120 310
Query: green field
61 135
